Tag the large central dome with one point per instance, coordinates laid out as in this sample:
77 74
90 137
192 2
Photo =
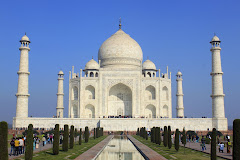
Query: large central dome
120 51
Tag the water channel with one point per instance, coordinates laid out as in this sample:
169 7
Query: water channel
120 148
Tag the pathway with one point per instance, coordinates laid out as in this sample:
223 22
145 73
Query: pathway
146 152
196 146
95 150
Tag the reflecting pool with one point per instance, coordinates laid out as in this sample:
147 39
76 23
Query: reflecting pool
120 148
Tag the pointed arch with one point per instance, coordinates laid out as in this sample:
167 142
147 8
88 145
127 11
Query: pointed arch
150 111
90 92
165 94
165 111
75 93
75 111
90 111
150 93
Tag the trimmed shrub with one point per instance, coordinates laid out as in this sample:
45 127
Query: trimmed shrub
71 137
236 139
3 140
94 133
86 134
80 137
176 141
184 139
56 140
29 143
169 137
146 135
137 132
213 145
65 138
75 134
165 137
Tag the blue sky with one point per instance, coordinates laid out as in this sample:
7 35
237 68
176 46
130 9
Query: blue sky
67 33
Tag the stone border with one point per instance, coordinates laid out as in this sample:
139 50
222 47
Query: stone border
145 151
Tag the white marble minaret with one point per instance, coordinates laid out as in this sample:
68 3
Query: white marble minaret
22 93
60 95
180 108
217 83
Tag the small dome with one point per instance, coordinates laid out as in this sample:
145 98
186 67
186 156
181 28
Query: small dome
60 73
179 73
120 51
149 65
92 64
215 38
25 38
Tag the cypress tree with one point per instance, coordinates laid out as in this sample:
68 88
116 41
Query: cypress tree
160 136
176 141
86 134
156 135
29 143
71 137
80 137
153 134
169 137
75 134
56 140
138 131
184 139
3 140
97 132
146 135
165 137
213 144
236 139
144 132
94 133
65 138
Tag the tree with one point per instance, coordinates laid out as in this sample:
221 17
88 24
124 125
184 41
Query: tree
153 134
236 139
80 137
138 131
29 143
160 136
56 140
156 135
184 138
165 137
213 144
65 138
146 135
169 137
86 134
176 141
72 137
3 140
94 133
75 134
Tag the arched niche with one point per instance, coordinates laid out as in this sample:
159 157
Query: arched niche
165 93
90 92
150 93
120 100
165 111
89 111
75 93
150 111
75 111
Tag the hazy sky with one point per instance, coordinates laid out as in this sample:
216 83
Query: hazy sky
171 33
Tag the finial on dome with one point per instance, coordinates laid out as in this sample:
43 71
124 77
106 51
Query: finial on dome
120 21
214 34
92 57
25 33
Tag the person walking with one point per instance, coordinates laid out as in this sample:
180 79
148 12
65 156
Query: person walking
12 144
221 147
20 145
43 140
203 140
16 142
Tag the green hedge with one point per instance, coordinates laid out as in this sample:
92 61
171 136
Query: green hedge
176 141
86 134
165 137
29 143
3 140
169 137
236 139
65 138
56 140
213 144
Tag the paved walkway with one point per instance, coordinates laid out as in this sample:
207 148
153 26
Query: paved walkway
95 150
146 152
196 146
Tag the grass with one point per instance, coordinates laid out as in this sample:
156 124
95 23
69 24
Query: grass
167 153
70 154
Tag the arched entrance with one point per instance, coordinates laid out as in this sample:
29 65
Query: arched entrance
120 100
150 111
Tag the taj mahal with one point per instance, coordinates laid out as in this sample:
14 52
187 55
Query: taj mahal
121 92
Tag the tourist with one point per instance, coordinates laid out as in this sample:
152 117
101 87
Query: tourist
34 143
61 138
12 143
20 145
228 146
43 140
203 140
221 147
51 138
16 142
37 143
197 139
24 143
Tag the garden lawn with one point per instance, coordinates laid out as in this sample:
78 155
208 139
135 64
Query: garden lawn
172 153
70 154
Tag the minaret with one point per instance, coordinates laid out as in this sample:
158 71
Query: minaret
217 83
180 108
22 93
60 95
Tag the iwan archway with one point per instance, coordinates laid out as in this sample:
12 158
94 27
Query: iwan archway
120 100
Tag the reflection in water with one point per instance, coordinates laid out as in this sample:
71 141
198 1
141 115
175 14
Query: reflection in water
120 148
